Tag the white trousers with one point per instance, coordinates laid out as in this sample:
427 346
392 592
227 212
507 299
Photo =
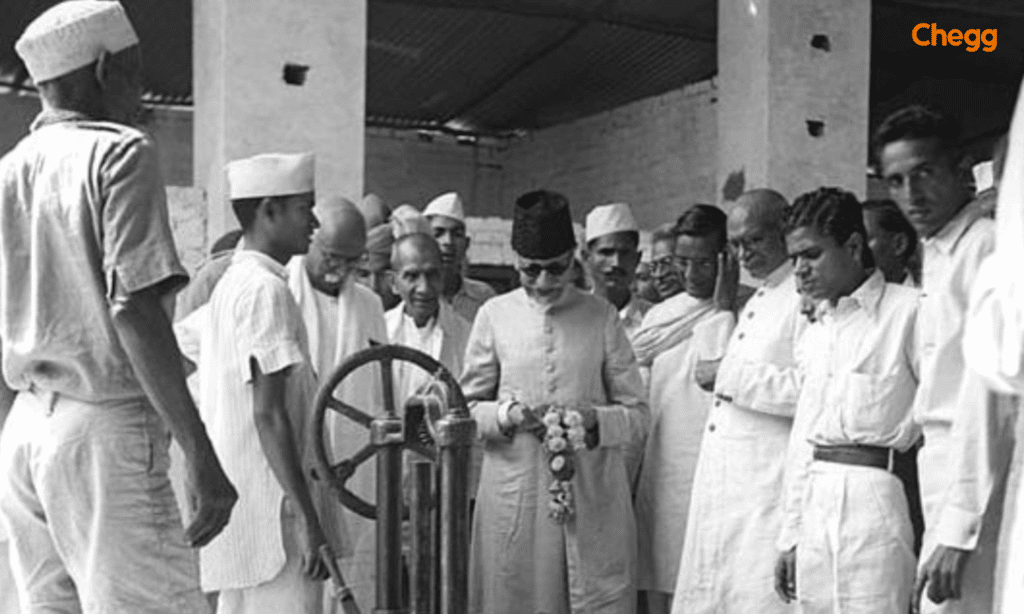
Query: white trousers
8 590
91 517
977 586
855 552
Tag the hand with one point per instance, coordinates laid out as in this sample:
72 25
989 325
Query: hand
211 498
705 373
529 420
942 574
311 545
785 575
727 282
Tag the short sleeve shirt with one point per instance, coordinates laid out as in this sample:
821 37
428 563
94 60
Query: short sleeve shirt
83 215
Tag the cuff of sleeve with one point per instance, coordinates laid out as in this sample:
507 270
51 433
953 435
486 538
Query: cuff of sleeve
504 421
280 356
612 426
958 528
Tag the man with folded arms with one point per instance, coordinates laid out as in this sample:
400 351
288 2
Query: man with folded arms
847 539
92 377
729 554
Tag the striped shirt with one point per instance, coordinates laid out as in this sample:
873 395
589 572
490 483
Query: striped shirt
252 315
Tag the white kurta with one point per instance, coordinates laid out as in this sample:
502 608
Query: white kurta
572 353
250 315
358 320
948 393
729 553
679 410
850 524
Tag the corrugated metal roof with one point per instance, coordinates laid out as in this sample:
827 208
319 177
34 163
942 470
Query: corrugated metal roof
502 65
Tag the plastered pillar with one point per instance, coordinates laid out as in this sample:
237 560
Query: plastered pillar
243 52
793 78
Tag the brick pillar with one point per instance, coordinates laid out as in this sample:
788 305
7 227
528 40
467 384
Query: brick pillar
273 76
793 81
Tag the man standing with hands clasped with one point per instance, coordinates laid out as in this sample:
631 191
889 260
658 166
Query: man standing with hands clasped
88 269
847 539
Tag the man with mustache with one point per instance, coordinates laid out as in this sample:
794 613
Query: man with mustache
612 254
729 554
448 220
847 538
549 343
920 159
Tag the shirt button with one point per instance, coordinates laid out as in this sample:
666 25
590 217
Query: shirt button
750 314
711 427
717 402
741 335
551 368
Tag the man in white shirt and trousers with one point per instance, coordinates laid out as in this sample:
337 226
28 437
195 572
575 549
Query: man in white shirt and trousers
921 161
675 336
729 553
847 539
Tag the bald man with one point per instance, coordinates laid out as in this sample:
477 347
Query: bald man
729 549
343 317
422 320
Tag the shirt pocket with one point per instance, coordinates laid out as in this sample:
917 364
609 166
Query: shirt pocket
868 402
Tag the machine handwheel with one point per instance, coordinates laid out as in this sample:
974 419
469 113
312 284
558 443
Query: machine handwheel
337 473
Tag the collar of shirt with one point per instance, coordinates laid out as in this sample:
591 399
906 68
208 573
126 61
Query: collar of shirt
777 276
867 296
262 260
56 116
947 238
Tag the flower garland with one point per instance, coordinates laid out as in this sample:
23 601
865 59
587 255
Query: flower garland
564 434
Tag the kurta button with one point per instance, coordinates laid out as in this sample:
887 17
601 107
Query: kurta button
750 314
551 368
717 402
741 335
711 427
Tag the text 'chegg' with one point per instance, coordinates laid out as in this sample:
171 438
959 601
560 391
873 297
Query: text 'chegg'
973 38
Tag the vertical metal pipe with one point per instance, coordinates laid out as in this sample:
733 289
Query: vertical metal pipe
387 433
421 519
455 440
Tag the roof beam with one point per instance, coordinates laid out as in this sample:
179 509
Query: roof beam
601 15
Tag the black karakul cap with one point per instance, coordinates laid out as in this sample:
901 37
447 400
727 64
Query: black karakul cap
542 225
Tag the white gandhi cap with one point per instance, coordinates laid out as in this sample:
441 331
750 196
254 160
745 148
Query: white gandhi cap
271 175
74 34
608 219
448 205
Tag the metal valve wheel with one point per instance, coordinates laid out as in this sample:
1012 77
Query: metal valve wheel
381 427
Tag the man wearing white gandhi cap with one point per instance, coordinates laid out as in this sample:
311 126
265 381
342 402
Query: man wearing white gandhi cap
613 240
92 376
256 383
448 220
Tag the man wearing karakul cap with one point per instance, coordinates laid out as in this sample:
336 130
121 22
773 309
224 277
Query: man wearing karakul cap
448 219
88 266
548 344
256 384
613 238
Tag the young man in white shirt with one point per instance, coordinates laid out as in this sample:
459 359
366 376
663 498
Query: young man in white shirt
256 382
922 163
847 539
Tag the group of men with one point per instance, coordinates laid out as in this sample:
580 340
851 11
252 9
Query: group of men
795 445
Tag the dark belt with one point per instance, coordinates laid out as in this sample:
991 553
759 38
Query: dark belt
854 454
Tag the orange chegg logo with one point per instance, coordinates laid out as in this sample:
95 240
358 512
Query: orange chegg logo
973 38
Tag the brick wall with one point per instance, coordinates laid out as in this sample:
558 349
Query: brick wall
658 154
